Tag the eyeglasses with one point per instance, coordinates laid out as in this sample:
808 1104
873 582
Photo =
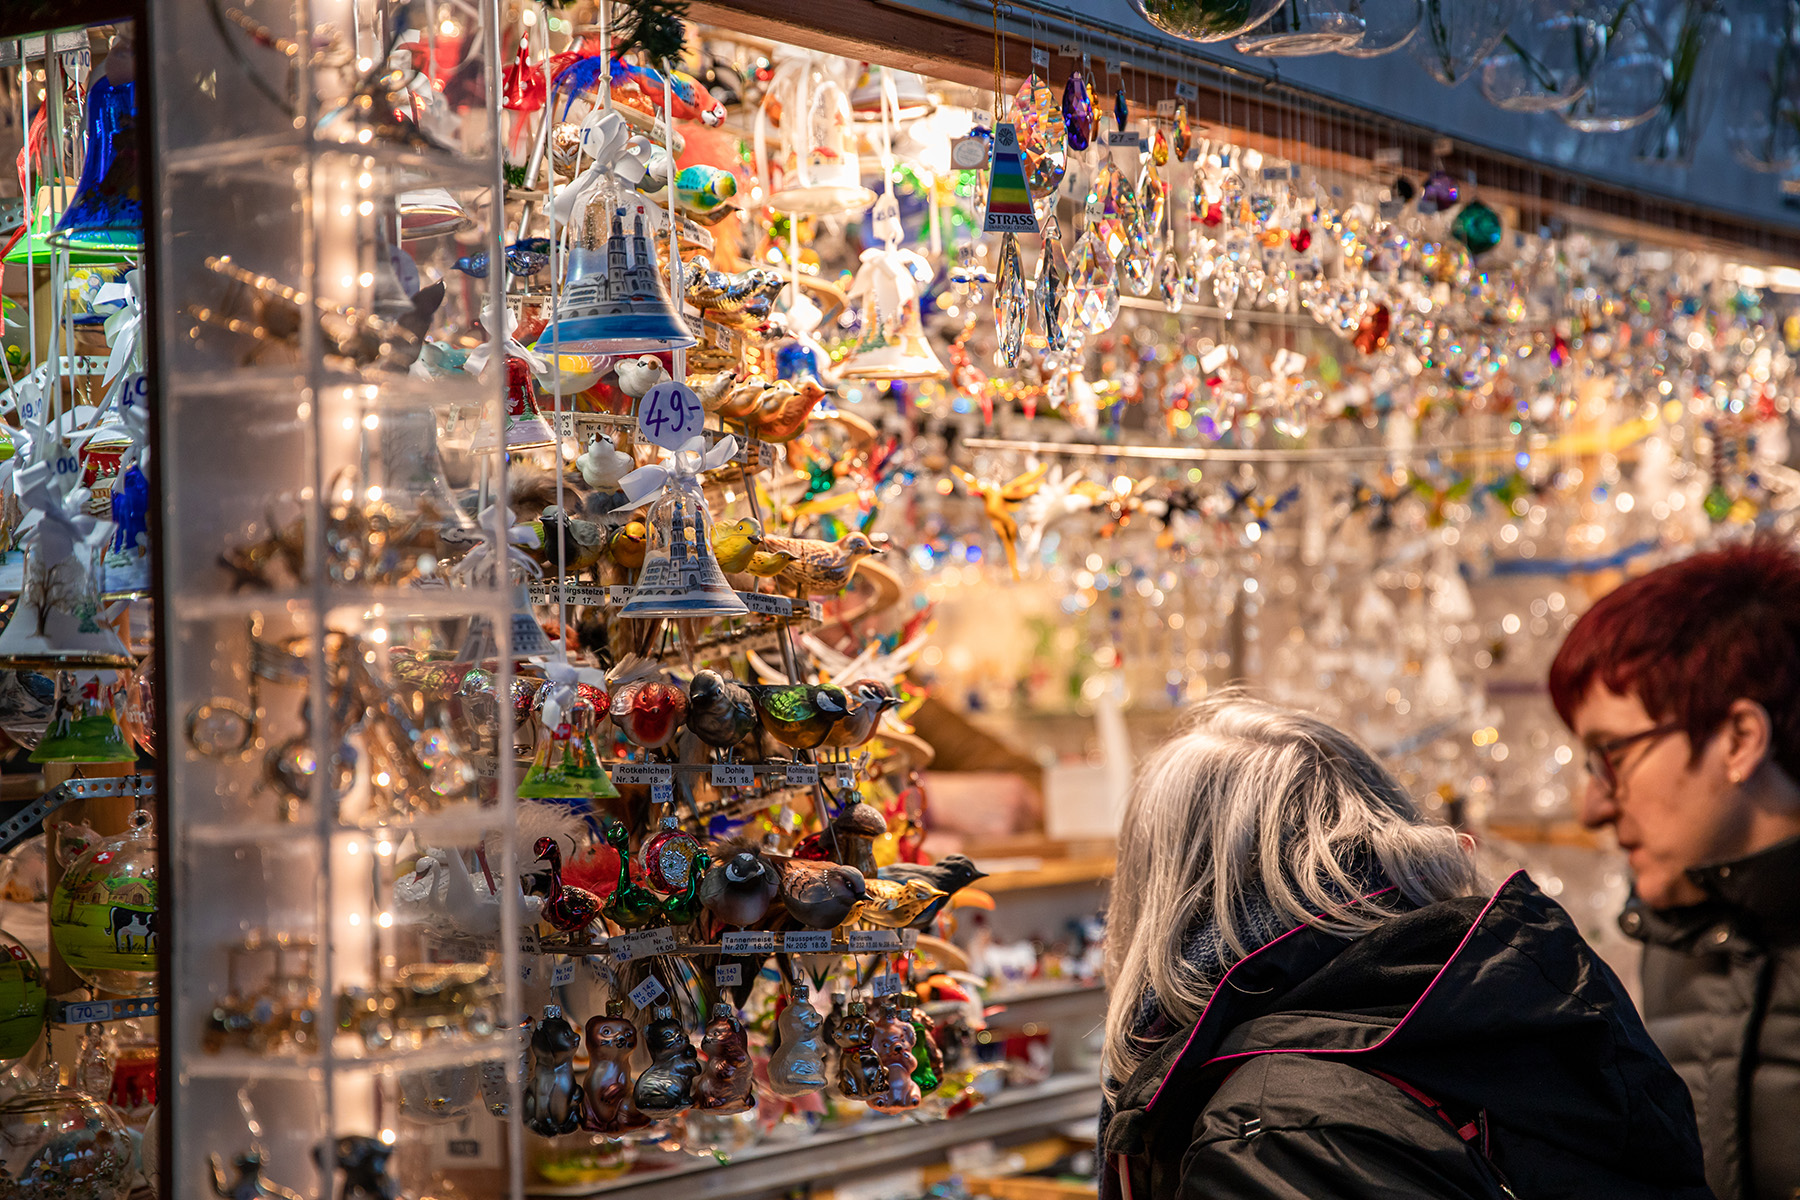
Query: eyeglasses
1602 760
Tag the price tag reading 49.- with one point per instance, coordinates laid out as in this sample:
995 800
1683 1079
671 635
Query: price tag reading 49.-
670 415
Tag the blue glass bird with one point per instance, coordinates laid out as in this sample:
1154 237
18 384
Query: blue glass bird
525 257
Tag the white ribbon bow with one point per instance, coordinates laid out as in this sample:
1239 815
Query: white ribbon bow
124 329
693 459
559 693
483 553
64 524
514 348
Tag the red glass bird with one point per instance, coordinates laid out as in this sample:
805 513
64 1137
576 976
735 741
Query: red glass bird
569 909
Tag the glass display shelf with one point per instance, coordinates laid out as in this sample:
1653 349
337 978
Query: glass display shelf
275 157
240 1064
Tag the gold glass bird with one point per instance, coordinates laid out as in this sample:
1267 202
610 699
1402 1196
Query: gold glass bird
895 905
999 499
767 564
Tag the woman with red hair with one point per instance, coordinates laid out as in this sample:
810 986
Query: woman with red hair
1684 687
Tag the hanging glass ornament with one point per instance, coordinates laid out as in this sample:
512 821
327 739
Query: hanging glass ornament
1170 287
1048 286
1184 133
1093 298
1439 194
1138 265
1626 88
58 1143
1197 271
1478 227
1010 300
1387 26
1043 140
103 912
24 1005
1121 108
1153 194
1544 61
1206 20
1159 146
1457 35
1077 112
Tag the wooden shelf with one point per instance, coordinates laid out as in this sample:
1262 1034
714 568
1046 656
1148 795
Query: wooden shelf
1049 873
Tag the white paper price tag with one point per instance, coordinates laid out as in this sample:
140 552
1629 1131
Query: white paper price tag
800 774
969 153
788 819
563 974
767 605
642 773
573 593
733 775
1165 108
646 993
1040 57
643 944
86 1012
865 940
885 985
747 941
1185 90
807 941
844 774
662 792
728 974
1121 137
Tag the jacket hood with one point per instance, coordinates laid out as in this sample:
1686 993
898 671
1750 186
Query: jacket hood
1492 1003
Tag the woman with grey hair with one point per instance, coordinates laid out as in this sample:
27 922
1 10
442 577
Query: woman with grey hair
1312 997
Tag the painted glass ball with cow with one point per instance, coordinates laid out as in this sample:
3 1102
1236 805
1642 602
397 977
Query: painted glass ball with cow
103 914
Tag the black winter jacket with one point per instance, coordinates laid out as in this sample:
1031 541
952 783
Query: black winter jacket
1722 1000
1469 1049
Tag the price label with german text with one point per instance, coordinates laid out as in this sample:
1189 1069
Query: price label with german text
800 774
641 773
747 941
807 941
647 992
733 775
865 940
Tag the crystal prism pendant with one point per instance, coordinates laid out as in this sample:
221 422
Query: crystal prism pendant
1170 287
1048 287
1010 301
1077 112
1139 268
1093 289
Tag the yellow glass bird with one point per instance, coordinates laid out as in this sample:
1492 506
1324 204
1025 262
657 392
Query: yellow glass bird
628 543
767 564
895 905
735 543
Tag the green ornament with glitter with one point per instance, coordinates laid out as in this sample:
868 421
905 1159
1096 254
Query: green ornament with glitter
1478 227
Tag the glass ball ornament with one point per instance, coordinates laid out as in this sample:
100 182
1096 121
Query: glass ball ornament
103 912
58 1143
23 1001
1206 20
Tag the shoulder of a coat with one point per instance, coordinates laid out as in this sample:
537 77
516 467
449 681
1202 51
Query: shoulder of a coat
1301 1091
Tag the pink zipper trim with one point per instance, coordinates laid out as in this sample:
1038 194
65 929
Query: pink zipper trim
1226 978
1401 1024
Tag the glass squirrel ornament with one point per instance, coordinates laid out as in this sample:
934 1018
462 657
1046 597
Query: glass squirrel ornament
726 1077
364 1162
606 1099
797 1068
552 1093
667 1085
249 1184
860 1073
893 1045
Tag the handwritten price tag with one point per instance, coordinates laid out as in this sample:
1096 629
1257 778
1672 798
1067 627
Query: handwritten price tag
747 941
807 941
728 974
563 974
662 792
646 993
670 415
886 218
885 985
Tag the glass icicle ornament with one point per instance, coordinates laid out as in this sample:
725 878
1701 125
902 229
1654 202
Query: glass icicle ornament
1048 286
1010 300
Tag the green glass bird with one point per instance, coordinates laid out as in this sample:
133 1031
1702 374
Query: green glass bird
631 906
684 907
799 715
